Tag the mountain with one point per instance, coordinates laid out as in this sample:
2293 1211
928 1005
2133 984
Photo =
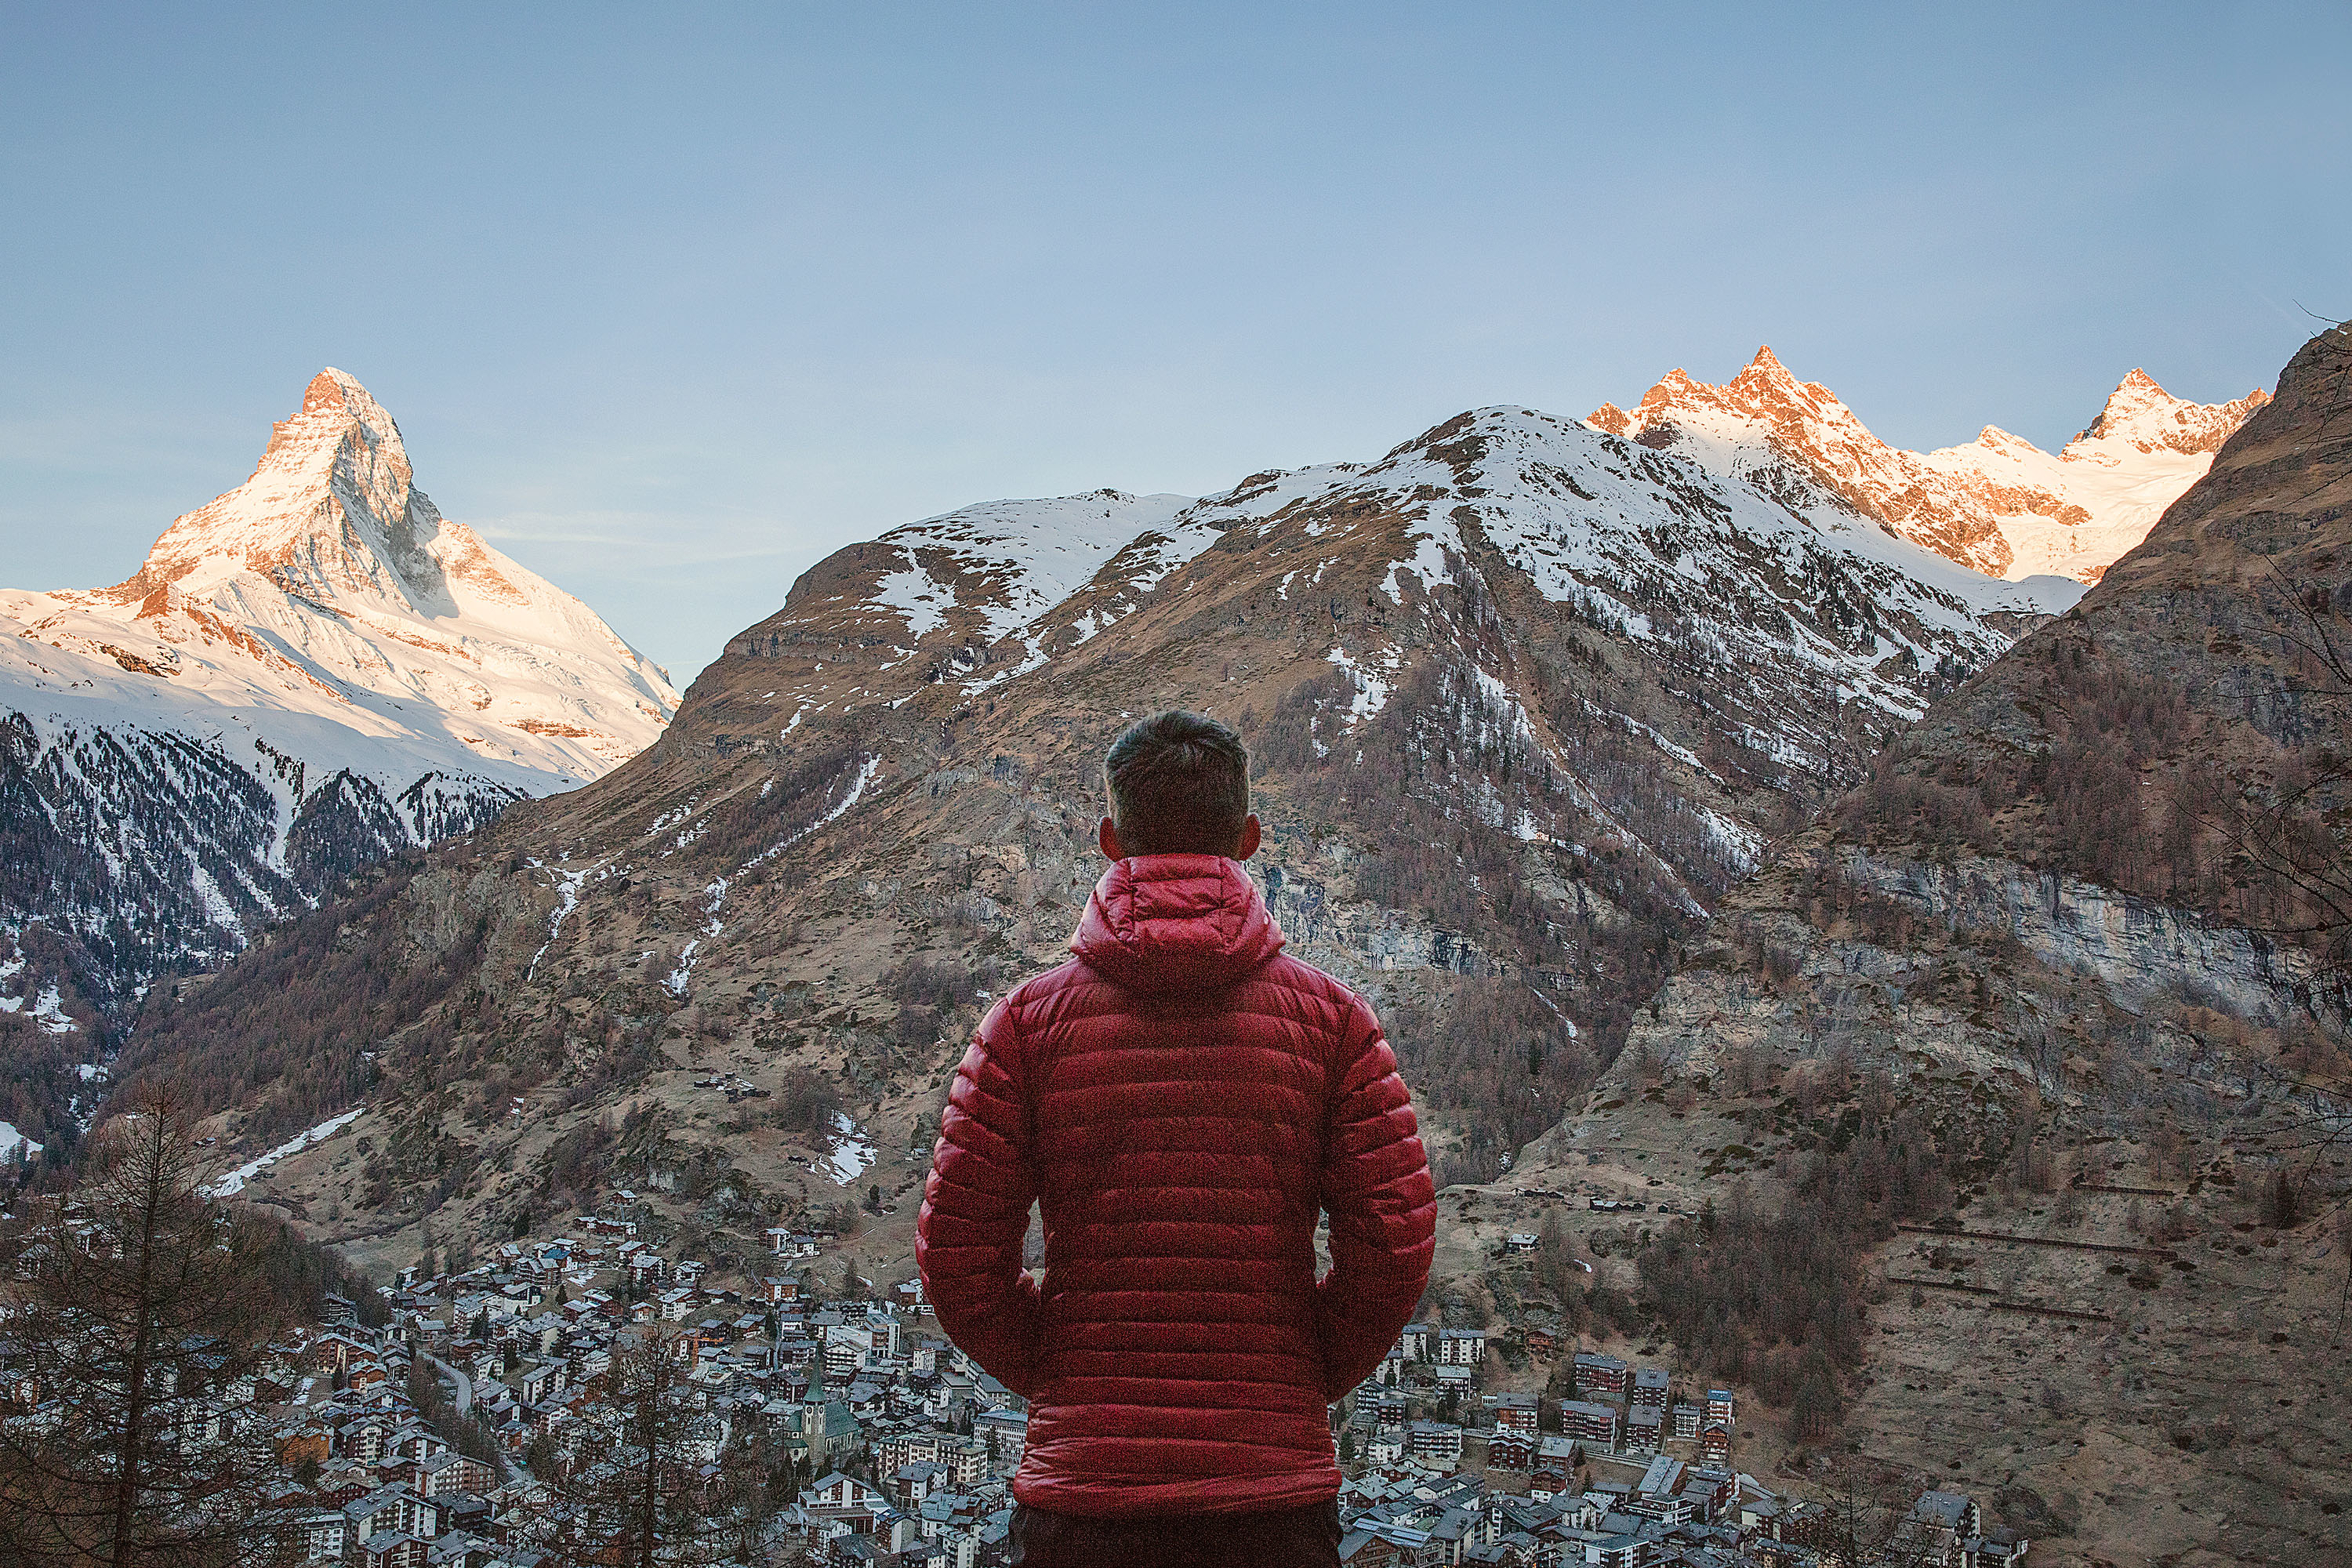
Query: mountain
1526 699
1999 505
2083 940
313 672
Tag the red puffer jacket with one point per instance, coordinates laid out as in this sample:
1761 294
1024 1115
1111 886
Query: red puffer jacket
1181 1100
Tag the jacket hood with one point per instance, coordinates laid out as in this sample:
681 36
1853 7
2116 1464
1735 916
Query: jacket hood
1162 922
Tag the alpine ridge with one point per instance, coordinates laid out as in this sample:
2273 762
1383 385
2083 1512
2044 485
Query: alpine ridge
313 672
1999 504
1526 698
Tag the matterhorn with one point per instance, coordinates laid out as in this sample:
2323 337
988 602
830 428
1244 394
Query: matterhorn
313 673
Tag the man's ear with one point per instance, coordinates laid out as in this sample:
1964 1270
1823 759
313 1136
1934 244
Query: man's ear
1251 835
1108 837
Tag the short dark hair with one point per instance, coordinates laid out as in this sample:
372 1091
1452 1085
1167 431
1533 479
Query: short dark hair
1179 784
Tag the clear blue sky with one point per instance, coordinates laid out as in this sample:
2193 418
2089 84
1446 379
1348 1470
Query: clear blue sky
670 302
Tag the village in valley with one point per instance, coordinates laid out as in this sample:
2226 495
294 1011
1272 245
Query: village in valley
480 1418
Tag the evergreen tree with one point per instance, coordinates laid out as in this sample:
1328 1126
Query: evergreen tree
134 1329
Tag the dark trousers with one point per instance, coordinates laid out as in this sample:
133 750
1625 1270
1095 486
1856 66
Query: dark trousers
1295 1538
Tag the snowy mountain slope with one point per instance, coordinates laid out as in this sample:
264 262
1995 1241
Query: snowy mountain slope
1648 543
1999 505
313 672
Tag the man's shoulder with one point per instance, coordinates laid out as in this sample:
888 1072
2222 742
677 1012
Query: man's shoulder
1039 990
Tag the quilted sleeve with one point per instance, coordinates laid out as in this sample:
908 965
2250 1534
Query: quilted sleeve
1383 1210
976 1211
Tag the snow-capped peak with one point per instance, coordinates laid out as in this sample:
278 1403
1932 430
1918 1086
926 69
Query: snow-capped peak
329 582
2141 417
1999 505
313 671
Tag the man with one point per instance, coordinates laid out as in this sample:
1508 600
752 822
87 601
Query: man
1180 1099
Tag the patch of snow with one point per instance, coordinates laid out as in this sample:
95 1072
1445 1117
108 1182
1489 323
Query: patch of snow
914 594
675 984
11 1140
1372 689
856 793
49 1010
567 899
851 1153
1428 562
235 1181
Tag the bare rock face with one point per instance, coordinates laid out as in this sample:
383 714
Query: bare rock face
1999 505
2083 923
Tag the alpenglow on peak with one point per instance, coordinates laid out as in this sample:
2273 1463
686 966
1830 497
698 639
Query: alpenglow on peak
311 672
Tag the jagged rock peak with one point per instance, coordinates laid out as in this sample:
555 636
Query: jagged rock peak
327 580
1999 505
331 510
2140 414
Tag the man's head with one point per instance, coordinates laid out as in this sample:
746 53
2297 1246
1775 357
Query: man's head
1178 783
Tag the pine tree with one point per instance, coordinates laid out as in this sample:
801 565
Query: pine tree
136 1322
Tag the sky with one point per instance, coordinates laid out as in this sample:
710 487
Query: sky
671 302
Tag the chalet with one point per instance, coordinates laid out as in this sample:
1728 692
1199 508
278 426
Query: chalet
540 1380
1507 1448
388 1549
393 1509
1649 1387
447 1474
311 1441
1521 1241
1995 1548
321 1536
1517 1412
1939 1527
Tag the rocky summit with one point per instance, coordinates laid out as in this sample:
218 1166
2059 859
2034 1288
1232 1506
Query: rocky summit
1999 504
